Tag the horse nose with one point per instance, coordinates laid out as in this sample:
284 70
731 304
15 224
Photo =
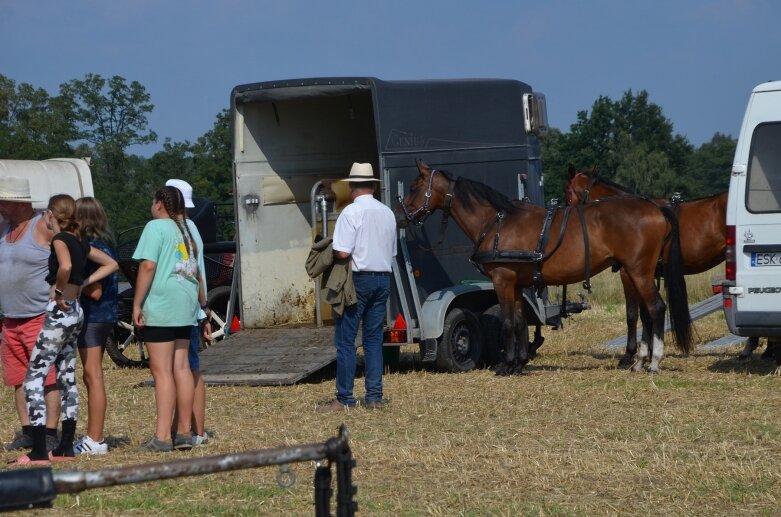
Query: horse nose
401 218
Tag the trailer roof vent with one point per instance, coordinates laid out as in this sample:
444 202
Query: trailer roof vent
535 114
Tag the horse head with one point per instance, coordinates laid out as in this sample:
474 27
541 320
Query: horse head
577 189
426 194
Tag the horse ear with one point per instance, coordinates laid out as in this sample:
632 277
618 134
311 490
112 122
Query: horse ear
592 169
422 167
571 170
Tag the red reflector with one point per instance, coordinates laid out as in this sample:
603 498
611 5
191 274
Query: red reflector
727 303
235 325
730 258
397 336
399 332
717 288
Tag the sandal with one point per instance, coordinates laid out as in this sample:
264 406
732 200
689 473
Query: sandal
25 460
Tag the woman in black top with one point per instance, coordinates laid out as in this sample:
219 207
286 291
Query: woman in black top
56 344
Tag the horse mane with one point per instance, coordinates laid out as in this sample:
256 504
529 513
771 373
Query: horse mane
467 191
610 183
626 190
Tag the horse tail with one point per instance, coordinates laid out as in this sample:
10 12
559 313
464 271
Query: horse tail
675 285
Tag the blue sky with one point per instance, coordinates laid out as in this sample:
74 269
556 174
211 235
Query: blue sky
698 59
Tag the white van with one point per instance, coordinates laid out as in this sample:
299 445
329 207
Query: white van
752 290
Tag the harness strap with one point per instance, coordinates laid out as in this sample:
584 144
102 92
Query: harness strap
542 241
587 281
446 211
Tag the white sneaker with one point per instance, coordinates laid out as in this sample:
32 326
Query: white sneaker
87 445
199 440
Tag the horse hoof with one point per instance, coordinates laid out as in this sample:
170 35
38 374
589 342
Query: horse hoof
518 370
638 367
654 369
744 357
502 371
625 362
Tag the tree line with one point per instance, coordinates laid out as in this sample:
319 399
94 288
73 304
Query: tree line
628 140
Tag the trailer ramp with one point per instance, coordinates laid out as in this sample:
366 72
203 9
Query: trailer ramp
697 311
268 357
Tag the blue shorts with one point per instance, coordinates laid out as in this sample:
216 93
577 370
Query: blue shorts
195 345
95 334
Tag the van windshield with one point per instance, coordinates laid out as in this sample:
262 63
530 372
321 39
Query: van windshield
764 170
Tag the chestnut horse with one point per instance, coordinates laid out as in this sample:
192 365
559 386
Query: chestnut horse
620 232
702 227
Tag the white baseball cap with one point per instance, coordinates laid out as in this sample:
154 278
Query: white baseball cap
185 189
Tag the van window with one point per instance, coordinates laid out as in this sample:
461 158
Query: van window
764 170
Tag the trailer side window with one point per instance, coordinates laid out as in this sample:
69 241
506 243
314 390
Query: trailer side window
764 171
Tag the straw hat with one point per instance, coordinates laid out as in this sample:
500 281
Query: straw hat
15 190
361 172
186 190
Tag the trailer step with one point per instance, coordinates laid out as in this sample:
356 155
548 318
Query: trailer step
697 311
268 357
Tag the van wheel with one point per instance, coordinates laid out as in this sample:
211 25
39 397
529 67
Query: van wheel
491 327
461 344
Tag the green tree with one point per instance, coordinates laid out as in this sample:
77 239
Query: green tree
629 140
110 116
213 161
710 165
33 125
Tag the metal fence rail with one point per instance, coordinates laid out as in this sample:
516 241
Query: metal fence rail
38 487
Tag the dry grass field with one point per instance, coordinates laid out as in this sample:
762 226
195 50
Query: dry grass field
572 436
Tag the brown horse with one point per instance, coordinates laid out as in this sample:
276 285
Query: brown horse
509 250
702 231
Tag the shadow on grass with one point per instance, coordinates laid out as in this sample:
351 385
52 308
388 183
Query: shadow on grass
754 366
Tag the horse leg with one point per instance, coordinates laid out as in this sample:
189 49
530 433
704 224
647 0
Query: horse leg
537 342
656 312
521 335
632 304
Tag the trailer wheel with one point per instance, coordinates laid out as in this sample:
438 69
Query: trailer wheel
491 327
126 347
461 344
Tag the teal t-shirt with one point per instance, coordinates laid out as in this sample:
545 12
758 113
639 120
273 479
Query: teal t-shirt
172 300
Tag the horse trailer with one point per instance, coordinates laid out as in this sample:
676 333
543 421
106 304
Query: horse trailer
293 139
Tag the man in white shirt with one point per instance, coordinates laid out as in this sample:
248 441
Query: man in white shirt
366 234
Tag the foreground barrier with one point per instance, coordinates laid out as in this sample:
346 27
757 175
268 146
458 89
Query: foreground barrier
37 487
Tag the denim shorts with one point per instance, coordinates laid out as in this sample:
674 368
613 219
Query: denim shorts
95 334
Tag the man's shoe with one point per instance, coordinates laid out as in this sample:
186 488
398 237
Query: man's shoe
21 441
87 446
156 445
376 405
334 407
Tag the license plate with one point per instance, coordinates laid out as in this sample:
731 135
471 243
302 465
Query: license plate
765 259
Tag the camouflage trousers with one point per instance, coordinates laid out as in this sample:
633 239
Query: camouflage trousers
56 346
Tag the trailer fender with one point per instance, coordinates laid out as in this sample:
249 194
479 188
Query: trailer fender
438 303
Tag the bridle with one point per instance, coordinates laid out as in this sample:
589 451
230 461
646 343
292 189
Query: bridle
414 216
583 195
